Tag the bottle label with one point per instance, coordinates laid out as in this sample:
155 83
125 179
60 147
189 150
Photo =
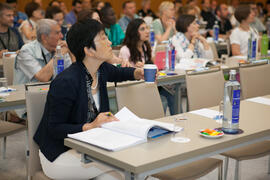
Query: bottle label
152 38
254 48
60 65
172 65
235 106
216 32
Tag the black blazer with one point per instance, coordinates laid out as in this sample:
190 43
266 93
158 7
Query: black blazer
67 103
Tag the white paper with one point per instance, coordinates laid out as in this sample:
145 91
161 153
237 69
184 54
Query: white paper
260 100
106 139
209 113
129 130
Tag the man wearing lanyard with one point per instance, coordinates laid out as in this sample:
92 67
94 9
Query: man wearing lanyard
10 39
34 61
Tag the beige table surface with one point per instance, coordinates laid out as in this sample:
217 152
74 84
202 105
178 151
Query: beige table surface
15 100
160 154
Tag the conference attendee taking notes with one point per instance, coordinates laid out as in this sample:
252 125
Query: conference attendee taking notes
78 101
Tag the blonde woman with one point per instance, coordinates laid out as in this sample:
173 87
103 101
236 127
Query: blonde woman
164 27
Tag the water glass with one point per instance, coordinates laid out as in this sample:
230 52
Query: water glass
3 82
181 136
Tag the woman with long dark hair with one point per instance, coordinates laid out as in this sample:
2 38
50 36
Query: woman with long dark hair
137 50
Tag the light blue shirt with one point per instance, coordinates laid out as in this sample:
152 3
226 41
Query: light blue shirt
124 21
29 61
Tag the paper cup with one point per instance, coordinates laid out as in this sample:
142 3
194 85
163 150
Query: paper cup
150 71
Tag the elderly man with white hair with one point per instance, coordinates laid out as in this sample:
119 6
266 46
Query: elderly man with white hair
34 62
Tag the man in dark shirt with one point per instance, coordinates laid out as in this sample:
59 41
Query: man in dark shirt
10 39
206 13
222 17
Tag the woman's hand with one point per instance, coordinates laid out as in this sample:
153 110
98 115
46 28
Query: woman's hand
139 73
139 64
102 118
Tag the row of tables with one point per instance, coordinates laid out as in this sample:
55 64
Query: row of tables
161 154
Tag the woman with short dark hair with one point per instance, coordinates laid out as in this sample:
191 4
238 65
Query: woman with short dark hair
28 26
78 101
187 41
239 37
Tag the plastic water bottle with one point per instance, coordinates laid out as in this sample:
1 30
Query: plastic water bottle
152 37
172 64
58 61
264 46
216 32
252 47
167 59
230 123
268 26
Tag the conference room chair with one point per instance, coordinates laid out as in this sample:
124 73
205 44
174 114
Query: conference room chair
8 67
204 89
7 129
144 100
254 82
35 103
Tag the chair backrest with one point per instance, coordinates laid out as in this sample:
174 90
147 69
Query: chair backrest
142 99
214 50
35 103
205 89
8 67
254 80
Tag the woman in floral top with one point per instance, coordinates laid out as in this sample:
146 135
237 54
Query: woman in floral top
188 42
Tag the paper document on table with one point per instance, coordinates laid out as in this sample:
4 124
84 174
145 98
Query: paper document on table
260 100
206 112
129 130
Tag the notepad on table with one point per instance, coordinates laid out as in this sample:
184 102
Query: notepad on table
260 100
130 130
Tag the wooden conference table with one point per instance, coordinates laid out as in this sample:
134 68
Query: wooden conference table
161 154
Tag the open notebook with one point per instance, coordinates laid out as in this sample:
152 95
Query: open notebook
129 131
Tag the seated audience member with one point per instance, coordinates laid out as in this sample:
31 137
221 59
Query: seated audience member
112 29
146 10
234 4
88 14
207 14
54 3
10 38
19 16
257 24
78 101
222 17
98 5
63 7
177 5
34 61
137 50
214 5
129 10
86 4
71 17
267 14
164 27
239 37
38 1
186 10
28 27
194 3
261 10
188 42
55 13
